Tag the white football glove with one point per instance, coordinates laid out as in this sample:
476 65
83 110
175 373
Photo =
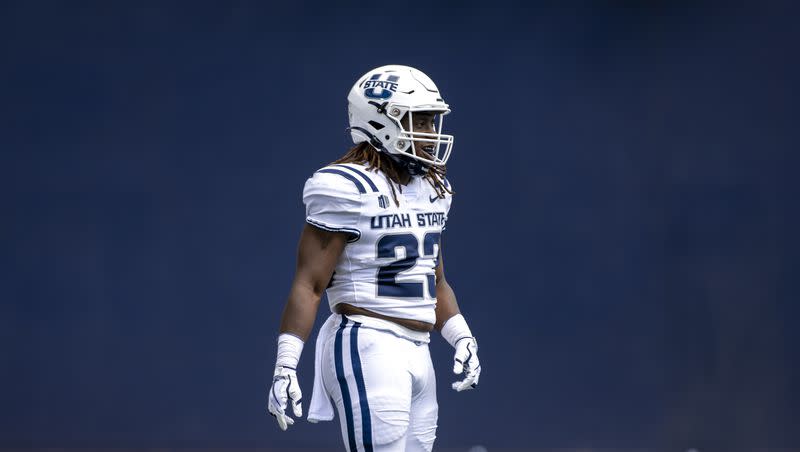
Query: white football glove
466 361
284 388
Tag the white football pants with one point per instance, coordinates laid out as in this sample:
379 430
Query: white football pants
384 389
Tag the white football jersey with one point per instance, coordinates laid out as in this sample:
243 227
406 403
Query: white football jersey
388 264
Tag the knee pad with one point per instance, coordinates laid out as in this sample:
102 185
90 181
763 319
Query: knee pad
390 419
421 440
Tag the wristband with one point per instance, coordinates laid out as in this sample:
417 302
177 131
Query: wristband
289 349
455 328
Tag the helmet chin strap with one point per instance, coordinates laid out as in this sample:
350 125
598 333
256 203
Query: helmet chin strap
414 167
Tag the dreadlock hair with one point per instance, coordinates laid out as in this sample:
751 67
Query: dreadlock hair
379 161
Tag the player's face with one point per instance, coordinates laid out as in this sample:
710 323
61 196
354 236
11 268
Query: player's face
422 121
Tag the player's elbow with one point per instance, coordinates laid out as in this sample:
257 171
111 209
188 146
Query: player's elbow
309 289
319 288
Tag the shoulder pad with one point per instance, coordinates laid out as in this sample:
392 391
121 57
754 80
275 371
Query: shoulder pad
354 174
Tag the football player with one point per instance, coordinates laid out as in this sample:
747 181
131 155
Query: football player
373 242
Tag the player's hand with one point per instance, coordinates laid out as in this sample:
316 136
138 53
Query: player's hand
466 361
284 389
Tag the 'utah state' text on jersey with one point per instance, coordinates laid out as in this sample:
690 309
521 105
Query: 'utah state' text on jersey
388 264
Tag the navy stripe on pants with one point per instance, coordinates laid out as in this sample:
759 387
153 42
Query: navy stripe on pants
366 422
348 409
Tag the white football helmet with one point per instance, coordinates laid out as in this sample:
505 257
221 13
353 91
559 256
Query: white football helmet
378 102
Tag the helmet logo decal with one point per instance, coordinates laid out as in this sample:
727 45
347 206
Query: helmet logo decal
380 89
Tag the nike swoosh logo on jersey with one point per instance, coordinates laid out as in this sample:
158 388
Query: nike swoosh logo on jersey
433 198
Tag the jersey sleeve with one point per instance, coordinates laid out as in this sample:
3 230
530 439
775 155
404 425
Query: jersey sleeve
333 203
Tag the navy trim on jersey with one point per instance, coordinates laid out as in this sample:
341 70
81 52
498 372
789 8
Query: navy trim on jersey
369 181
355 232
366 422
348 409
347 176
446 183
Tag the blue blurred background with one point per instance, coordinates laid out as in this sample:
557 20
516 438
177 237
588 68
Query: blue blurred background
624 238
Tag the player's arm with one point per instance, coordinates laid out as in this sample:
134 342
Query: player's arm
317 254
455 330
446 304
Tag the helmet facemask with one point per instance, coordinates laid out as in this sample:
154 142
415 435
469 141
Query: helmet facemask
436 146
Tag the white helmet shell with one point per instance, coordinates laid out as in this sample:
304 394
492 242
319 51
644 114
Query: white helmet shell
382 97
